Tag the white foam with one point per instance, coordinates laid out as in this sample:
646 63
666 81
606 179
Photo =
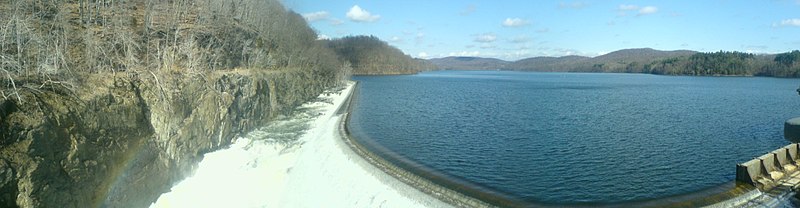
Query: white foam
256 171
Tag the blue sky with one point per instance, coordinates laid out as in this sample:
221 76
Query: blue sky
512 30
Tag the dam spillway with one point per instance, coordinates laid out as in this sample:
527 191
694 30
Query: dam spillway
767 171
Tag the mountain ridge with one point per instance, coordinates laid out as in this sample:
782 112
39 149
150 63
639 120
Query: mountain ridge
644 60
537 63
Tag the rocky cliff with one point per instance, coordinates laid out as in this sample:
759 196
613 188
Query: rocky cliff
125 138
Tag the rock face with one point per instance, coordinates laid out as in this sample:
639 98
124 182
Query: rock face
127 137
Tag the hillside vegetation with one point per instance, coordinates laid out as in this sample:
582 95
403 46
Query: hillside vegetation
371 56
646 60
47 42
469 63
110 103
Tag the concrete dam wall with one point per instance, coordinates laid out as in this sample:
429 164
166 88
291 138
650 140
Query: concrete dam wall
765 171
437 186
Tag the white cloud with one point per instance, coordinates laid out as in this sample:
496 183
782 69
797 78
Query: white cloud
645 10
755 48
316 16
335 22
323 37
572 5
486 38
518 54
422 55
648 10
790 22
487 46
357 14
465 53
419 38
543 30
624 7
520 39
395 39
514 22
467 11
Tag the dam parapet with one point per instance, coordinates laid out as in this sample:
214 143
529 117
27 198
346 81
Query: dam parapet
777 167
766 171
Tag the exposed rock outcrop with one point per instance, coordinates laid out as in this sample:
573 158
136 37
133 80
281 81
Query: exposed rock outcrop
125 138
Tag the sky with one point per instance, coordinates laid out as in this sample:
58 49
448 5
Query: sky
516 29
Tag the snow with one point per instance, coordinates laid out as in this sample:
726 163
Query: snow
320 171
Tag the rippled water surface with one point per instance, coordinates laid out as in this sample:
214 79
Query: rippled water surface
575 137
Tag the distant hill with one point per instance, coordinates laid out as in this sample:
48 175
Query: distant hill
469 63
627 59
640 55
564 63
614 61
645 60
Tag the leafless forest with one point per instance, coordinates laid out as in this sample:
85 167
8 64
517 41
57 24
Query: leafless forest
52 43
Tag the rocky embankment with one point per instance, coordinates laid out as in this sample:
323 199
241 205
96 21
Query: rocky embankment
122 139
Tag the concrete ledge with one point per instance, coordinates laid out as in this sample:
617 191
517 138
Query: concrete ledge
792 150
766 170
748 172
782 157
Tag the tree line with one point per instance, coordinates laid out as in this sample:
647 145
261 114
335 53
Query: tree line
51 41
368 55
721 63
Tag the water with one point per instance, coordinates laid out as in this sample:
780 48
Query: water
577 137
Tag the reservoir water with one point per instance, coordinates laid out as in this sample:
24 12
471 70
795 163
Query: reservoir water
576 137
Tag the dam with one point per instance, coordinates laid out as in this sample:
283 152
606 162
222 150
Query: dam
775 174
447 190
771 170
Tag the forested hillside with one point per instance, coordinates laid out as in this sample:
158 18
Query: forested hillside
469 63
550 64
57 40
646 60
726 64
368 55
